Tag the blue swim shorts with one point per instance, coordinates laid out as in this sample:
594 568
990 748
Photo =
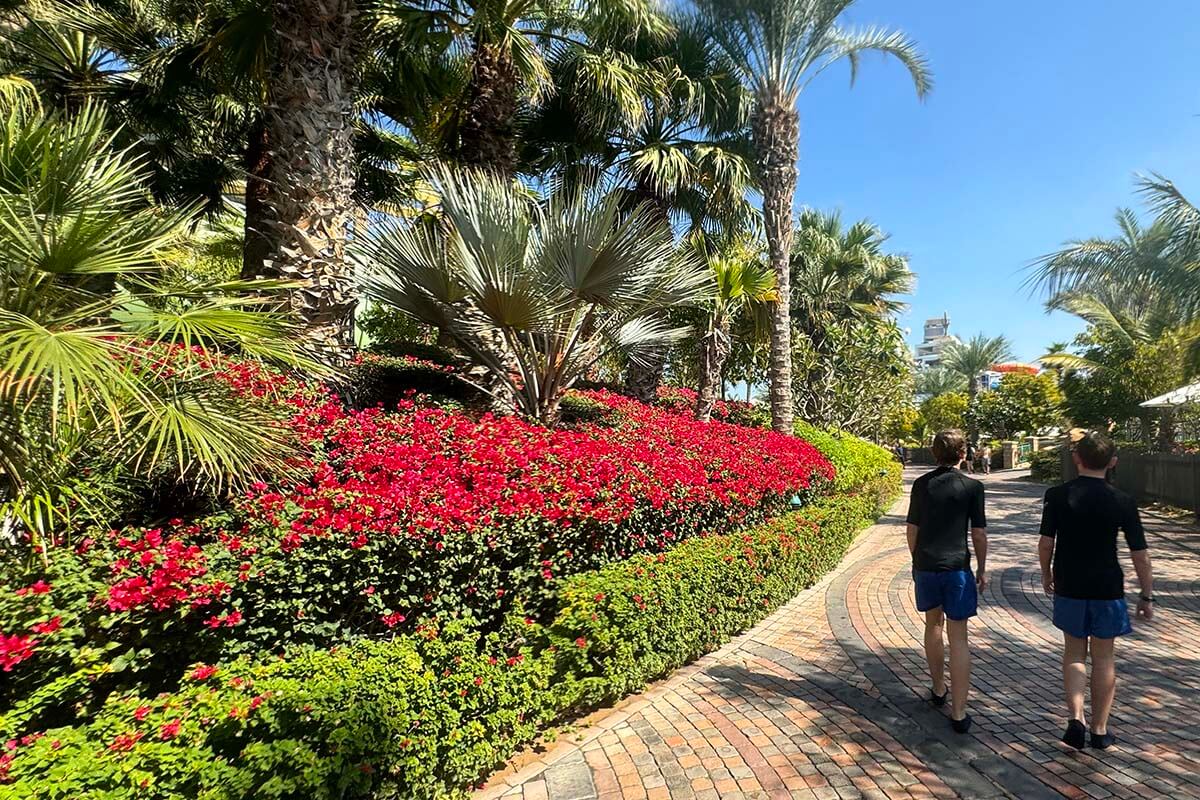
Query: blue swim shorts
1104 619
953 591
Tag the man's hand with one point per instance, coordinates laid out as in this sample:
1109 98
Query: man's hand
1048 583
1145 609
981 580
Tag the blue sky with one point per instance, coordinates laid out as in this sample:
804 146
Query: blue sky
1041 114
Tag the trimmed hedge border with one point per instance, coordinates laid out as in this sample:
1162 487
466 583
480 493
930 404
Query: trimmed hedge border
426 715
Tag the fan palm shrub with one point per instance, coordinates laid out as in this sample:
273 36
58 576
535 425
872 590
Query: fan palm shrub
778 47
536 293
744 283
85 324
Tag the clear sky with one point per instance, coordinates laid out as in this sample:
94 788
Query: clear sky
1041 114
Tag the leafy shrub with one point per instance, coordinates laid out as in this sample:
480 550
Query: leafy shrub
1046 465
428 713
385 380
424 511
861 466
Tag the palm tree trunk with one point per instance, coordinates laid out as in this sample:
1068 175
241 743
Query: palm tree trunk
310 116
714 351
256 242
776 132
643 378
487 137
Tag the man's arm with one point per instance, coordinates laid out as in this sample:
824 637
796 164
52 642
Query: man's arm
915 509
1135 538
910 531
1049 530
1045 554
980 543
1141 563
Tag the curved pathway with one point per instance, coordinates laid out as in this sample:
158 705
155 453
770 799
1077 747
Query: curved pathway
824 698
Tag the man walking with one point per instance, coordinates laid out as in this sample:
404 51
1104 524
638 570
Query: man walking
1079 536
944 503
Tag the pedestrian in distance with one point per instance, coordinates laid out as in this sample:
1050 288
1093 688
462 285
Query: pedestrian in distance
944 505
1080 568
985 458
970 460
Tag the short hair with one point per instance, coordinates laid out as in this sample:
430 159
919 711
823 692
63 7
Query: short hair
949 446
1095 449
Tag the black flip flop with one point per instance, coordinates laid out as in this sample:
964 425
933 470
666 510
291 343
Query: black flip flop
938 700
1102 741
961 725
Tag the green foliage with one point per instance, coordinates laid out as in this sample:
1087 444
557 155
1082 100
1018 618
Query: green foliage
386 328
427 714
88 301
535 295
862 373
1124 373
862 467
944 411
1020 404
1046 465
386 380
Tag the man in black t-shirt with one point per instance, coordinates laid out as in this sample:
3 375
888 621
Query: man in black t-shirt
944 504
1078 554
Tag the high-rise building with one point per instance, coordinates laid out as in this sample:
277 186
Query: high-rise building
937 337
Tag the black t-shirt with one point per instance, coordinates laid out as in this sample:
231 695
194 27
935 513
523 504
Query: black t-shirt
1083 516
943 505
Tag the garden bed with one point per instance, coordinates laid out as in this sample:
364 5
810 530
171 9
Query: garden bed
437 587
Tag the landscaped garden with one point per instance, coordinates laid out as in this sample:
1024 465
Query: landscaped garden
365 377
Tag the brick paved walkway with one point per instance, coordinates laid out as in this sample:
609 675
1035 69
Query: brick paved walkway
824 698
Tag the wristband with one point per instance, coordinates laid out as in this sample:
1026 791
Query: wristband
1145 599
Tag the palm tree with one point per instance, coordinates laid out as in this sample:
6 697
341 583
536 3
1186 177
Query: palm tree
310 123
974 357
839 275
743 281
536 294
687 155
502 48
778 47
84 313
934 381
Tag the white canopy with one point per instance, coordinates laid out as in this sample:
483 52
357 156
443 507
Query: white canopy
1176 397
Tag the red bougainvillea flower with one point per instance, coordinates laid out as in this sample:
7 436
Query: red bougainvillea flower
169 730
47 627
15 649
393 619
202 672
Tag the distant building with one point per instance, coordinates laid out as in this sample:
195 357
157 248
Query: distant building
937 337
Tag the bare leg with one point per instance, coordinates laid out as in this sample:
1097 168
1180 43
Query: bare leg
1074 674
935 650
960 667
1104 683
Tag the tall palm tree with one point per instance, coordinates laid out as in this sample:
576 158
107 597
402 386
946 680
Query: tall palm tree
975 356
743 281
502 48
687 155
535 293
310 122
779 46
839 275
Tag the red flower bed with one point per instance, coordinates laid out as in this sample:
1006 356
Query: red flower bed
407 513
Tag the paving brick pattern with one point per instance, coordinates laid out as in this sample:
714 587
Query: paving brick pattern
824 699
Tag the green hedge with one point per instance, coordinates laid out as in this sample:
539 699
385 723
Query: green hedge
861 465
425 715
1046 466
